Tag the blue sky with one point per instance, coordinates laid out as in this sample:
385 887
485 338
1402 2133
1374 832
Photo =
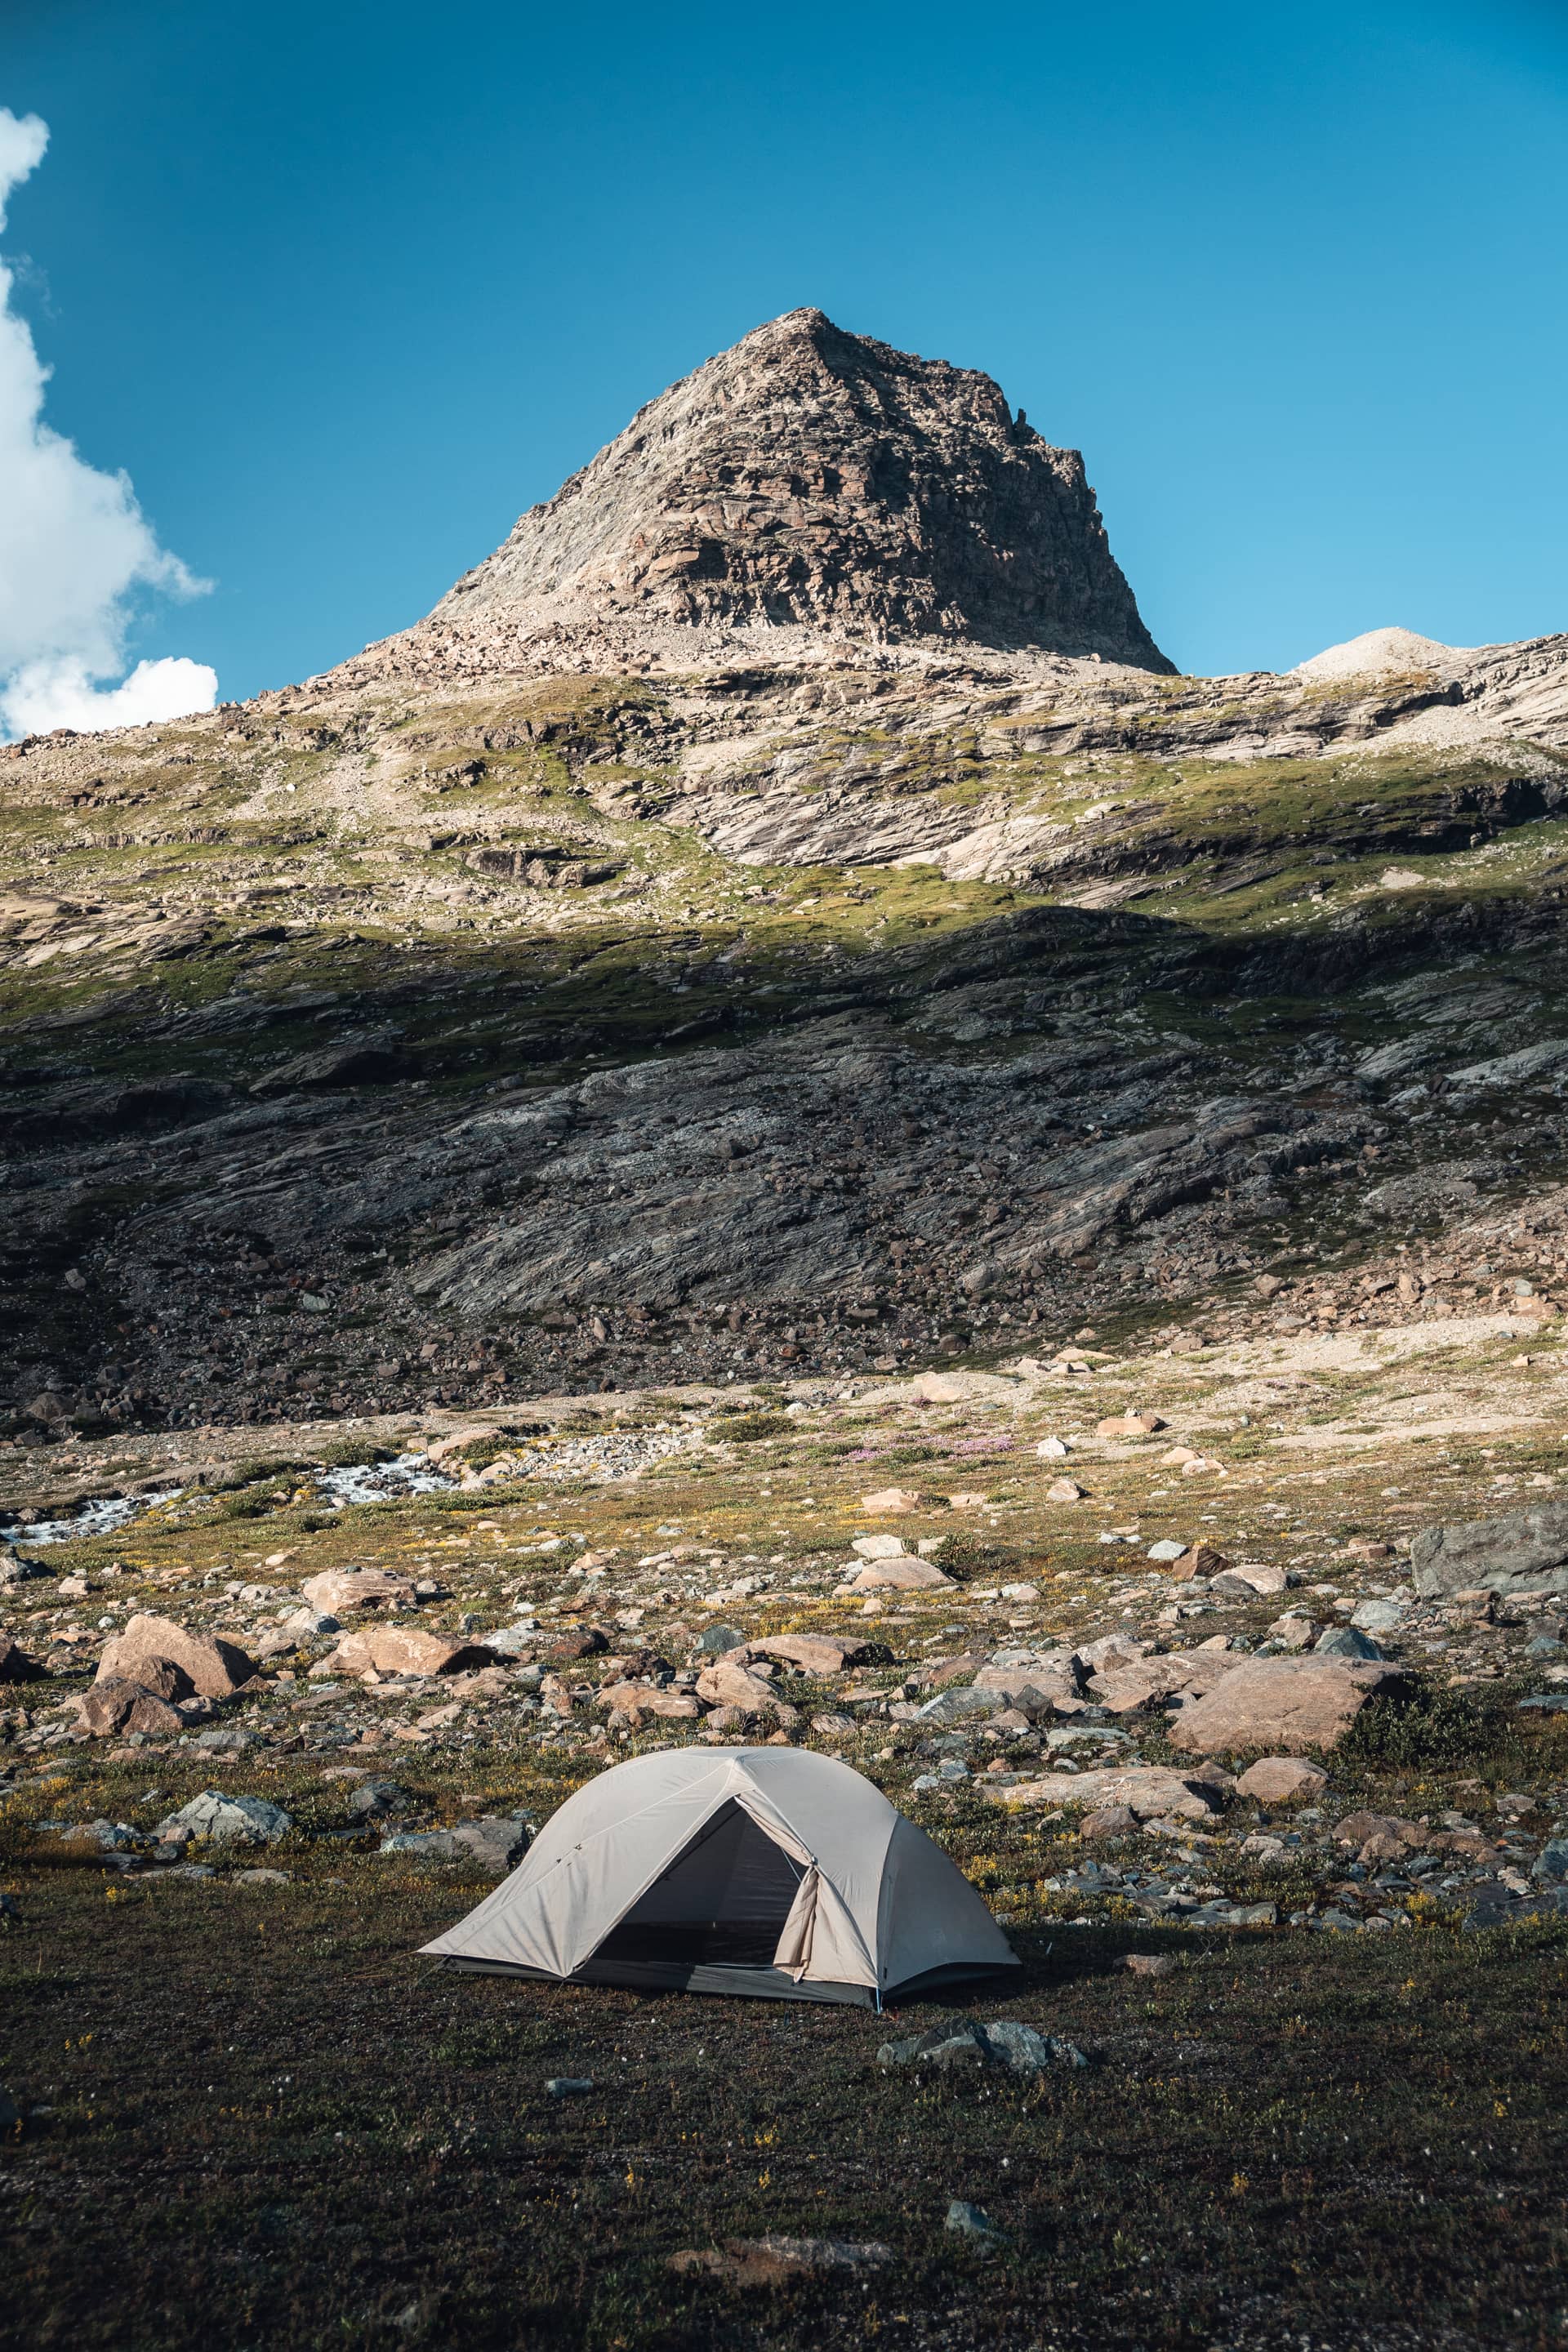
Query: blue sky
342 288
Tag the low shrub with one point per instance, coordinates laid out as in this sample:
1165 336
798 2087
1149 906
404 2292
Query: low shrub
254 1468
352 1453
1434 1728
253 1504
745 1428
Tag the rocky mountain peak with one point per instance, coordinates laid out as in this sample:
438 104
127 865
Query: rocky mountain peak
811 480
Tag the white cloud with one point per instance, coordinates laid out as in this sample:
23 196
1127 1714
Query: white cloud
75 547
43 695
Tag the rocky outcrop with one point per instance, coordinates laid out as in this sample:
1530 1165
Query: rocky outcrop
812 479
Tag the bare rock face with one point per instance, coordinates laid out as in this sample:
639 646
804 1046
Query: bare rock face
813 479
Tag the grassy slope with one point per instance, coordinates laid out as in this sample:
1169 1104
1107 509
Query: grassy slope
337 858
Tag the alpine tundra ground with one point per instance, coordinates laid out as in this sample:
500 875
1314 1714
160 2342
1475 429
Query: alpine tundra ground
242 2109
270 2127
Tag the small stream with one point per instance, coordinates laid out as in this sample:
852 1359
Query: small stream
104 1515
366 1482
604 1457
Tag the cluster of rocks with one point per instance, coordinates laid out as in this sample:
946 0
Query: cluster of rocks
1054 1733
215 1829
1440 1279
1365 1872
962 2043
154 1678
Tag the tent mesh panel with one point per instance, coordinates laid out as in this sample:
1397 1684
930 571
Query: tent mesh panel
723 1902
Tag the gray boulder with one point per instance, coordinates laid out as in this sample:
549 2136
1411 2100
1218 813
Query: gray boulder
1348 1641
1020 2049
426 1846
1378 1616
374 1798
945 2051
101 1833
1023 2050
312 1620
512 1640
1526 1552
17 1567
214 1820
498 1843
114 1837
960 1706
1552 1863
966 2221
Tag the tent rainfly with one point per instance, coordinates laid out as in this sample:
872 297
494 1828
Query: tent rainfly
766 1871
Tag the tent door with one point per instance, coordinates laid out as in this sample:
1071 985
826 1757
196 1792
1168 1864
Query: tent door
723 1902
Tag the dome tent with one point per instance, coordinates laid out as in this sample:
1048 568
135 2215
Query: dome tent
767 1870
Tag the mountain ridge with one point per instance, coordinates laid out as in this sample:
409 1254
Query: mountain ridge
578 997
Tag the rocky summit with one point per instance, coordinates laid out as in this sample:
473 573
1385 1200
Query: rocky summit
806 479
778 917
